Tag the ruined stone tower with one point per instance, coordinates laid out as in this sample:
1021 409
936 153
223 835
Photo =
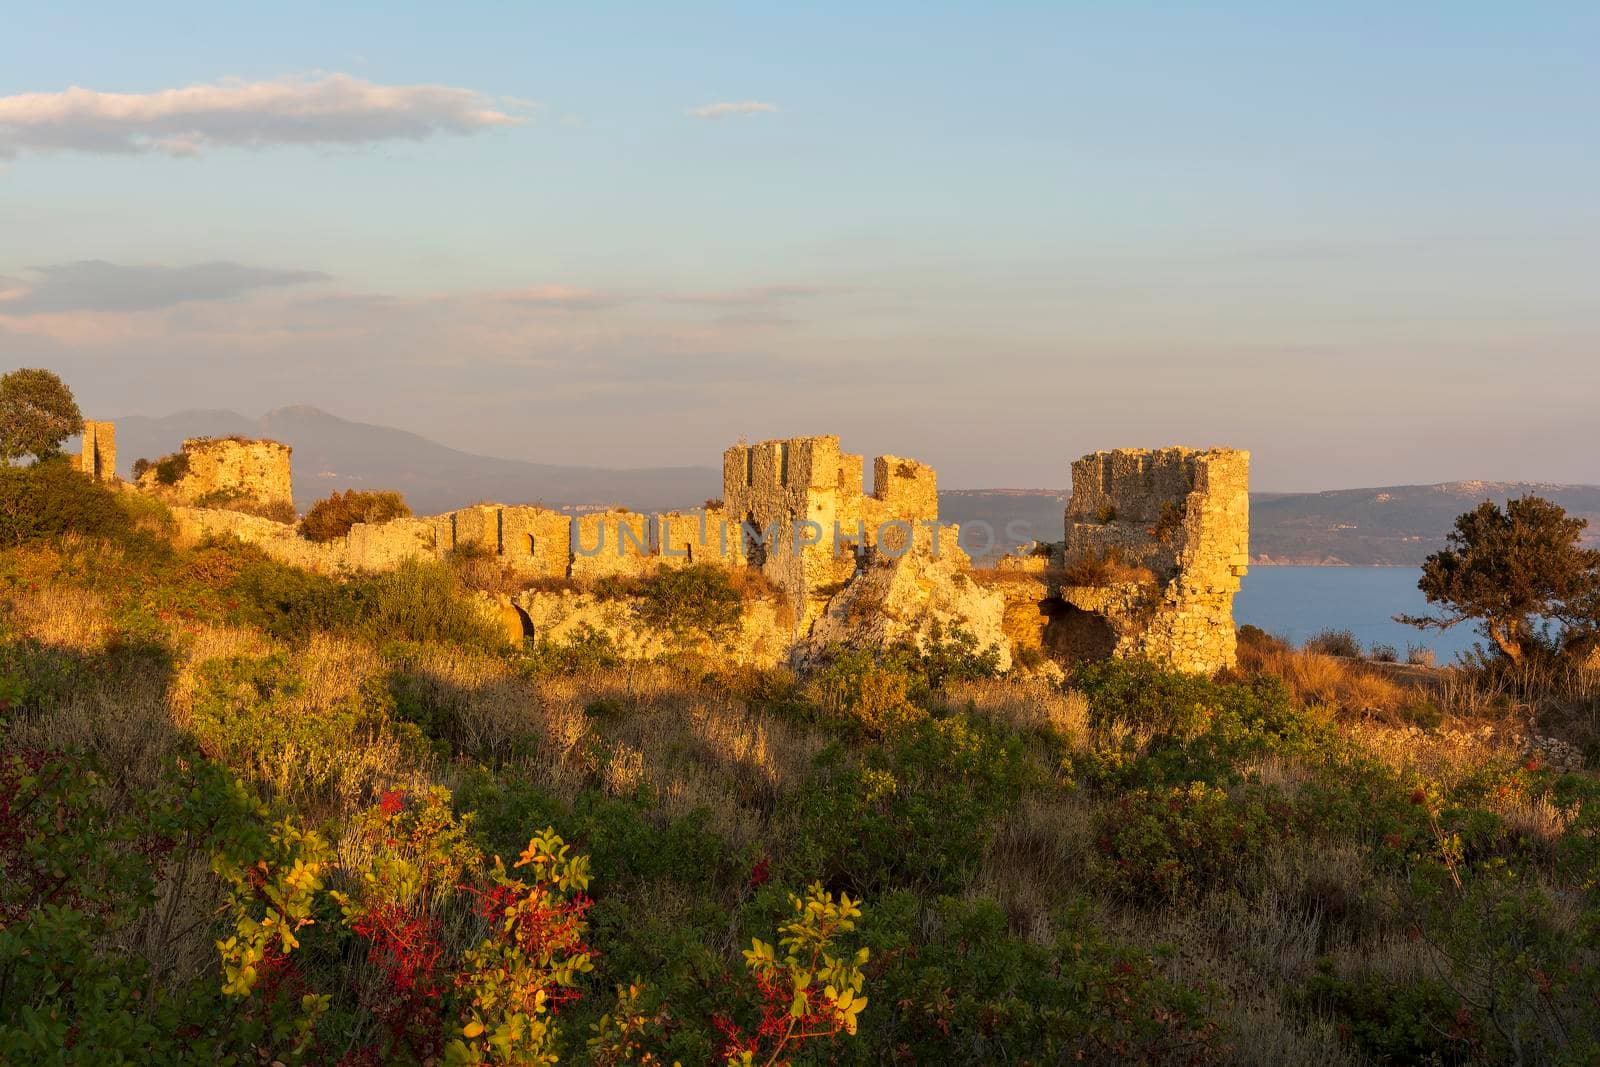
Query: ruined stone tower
99 457
802 516
227 471
1181 515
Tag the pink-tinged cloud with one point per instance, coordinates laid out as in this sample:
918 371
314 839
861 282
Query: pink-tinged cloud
757 295
731 109
325 109
555 296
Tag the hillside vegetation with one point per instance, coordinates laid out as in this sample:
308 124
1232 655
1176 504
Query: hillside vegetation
250 814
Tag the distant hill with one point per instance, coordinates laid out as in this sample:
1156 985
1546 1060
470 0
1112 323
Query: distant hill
1393 525
1397 525
333 453
1034 515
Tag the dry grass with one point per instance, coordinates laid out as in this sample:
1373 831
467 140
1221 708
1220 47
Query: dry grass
1028 705
64 616
1103 568
690 745
1351 685
1037 855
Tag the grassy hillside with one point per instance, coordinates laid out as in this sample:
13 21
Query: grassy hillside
248 814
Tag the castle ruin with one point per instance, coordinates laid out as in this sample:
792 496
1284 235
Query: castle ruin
1155 542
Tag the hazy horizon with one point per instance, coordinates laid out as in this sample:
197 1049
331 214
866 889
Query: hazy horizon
713 462
1350 240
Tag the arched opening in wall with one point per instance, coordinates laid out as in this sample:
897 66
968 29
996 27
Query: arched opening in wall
1072 635
523 617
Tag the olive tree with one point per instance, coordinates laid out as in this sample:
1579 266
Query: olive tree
37 413
1506 567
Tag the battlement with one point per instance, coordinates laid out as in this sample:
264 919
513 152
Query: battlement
804 517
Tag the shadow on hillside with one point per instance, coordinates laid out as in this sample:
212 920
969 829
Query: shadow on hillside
112 704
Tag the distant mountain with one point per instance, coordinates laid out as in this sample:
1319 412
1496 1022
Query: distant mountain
1397 525
1391 525
333 453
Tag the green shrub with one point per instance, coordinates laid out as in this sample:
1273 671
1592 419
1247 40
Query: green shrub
1342 643
914 812
958 986
292 604
697 599
1393 1022
249 714
1159 844
876 692
423 601
50 498
170 469
1255 637
1153 726
247 503
81 862
332 517
583 651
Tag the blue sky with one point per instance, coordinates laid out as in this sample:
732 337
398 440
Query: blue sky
1357 240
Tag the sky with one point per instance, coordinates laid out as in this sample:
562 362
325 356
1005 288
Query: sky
1360 240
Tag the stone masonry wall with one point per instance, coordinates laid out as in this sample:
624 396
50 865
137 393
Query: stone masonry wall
775 485
99 457
257 471
1185 515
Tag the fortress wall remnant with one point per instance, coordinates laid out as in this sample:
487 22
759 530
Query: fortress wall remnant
536 542
802 497
231 468
1182 513
612 543
99 457
701 535
382 546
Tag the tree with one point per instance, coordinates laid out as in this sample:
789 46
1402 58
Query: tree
37 413
1506 567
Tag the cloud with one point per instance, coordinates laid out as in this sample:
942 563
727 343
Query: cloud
324 109
757 295
747 108
555 296
95 285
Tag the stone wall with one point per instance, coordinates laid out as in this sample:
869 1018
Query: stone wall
1155 543
99 457
1184 515
228 470
701 535
761 639
806 522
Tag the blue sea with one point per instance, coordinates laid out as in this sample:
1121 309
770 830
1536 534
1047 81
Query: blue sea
1296 602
